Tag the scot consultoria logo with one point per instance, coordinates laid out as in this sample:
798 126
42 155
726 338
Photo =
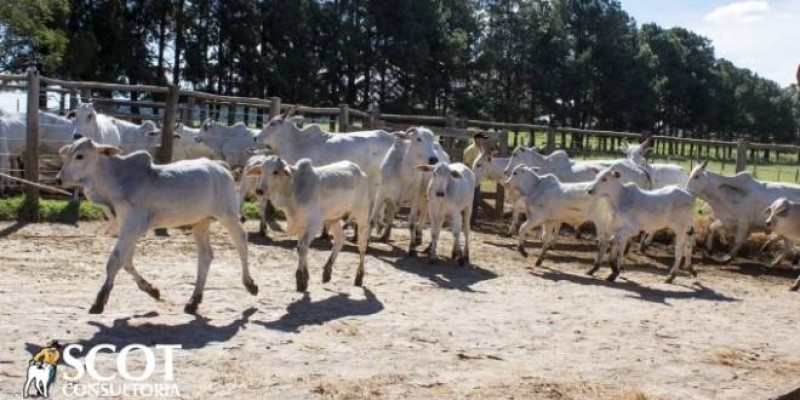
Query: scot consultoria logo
81 377
42 370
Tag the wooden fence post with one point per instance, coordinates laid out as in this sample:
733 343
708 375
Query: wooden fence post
168 125
344 117
232 113
551 139
32 145
189 118
73 99
741 155
374 118
274 107
500 197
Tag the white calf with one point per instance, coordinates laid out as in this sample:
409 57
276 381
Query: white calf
312 196
450 191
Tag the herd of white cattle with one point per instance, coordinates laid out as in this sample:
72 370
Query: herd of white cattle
323 180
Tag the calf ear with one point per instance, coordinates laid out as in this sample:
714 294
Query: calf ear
615 174
401 135
595 170
152 133
455 174
768 211
63 150
253 170
107 150
425 168
71 114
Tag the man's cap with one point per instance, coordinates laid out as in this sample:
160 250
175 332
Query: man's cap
480 135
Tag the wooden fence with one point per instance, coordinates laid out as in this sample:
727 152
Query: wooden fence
169 104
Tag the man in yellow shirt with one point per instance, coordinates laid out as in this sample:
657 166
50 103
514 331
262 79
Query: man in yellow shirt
471 153
49 355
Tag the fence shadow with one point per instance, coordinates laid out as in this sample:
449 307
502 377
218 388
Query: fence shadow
304 312
12 228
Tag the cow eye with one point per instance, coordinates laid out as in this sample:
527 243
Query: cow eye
604 179
274 172
477 165
696 176
419 139
79 157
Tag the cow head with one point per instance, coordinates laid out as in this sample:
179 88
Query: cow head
606 183
81 160
272 174
698 179
275 128
778 209
522 179
421 149
442 175
85 122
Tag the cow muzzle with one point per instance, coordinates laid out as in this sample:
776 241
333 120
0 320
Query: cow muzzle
440 194
77 136
260 192
433 160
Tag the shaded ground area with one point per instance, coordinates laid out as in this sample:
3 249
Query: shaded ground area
500 328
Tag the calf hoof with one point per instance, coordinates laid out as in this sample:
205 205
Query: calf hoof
160 232
359 279
669 279
692 272
462 261
412 253
154 293
242 219
302 281
522 251
612 277
251 287
432 260
539 261
97 308
794 287
592 270
190 308
326 273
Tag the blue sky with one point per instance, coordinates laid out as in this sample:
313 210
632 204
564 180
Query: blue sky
762 35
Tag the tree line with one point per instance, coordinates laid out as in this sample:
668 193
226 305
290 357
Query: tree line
580 63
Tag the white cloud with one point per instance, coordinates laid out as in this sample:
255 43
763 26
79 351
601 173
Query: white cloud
767 44
744 12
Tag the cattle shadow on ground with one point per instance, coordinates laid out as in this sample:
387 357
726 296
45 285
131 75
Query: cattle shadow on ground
194 334
639 291
445 274
374 248
304 312
757 269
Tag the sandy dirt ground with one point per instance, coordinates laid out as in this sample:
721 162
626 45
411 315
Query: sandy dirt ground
497 329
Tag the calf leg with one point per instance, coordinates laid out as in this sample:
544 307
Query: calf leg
467 228
388 213
602 247
524 230
741 234
796 285
363 240
338 241
262 221
142 283
436 227
301 275
120 256
680 247
712 230
239 237
549 238
204 256
619 242
455 229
